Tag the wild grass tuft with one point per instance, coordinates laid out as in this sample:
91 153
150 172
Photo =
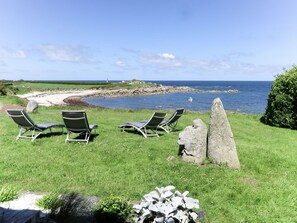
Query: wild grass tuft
8 193
48 201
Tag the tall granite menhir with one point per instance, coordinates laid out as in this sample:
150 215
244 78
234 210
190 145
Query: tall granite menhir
221 147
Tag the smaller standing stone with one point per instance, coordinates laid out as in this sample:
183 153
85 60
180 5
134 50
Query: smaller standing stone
32 106
192 142
221 145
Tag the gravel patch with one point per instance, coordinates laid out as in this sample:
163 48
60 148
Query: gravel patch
28 200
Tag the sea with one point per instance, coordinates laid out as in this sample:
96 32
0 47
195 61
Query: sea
251 98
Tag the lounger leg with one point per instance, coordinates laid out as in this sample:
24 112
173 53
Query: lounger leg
87 137
169 128
155 132
165 129
21 133
67 138
34 137
144 132
173 126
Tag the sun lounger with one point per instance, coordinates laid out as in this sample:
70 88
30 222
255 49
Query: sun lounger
77 122
26 124
143 127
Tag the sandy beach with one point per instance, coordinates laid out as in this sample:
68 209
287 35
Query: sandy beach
54 98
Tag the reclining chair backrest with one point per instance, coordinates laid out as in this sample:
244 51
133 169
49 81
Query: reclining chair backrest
76 121
21 118
155 120
176 115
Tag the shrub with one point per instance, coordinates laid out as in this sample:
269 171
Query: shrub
163 205
7 88
8 193
281 107
113 209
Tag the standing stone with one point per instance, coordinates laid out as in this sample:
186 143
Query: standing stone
221 145
32 106
192 142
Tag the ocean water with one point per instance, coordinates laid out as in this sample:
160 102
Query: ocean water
251 98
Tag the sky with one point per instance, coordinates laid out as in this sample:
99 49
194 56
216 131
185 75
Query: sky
147 39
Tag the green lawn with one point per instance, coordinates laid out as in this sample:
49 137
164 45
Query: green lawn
26 86
263 190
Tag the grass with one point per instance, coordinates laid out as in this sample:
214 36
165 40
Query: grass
29 86
48 201
11 100
8 193
126 164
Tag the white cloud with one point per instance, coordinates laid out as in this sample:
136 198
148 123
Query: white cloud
161 60
65 53
6 53
167 56
121 63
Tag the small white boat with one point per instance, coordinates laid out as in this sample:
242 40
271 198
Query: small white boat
190 99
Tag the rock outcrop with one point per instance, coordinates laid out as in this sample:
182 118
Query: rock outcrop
32 106
221 145
192 142
143 91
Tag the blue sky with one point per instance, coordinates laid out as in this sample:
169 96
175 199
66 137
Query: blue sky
147 39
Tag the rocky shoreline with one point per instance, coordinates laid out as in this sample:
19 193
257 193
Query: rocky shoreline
143 91
76 100
73 97
155 91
